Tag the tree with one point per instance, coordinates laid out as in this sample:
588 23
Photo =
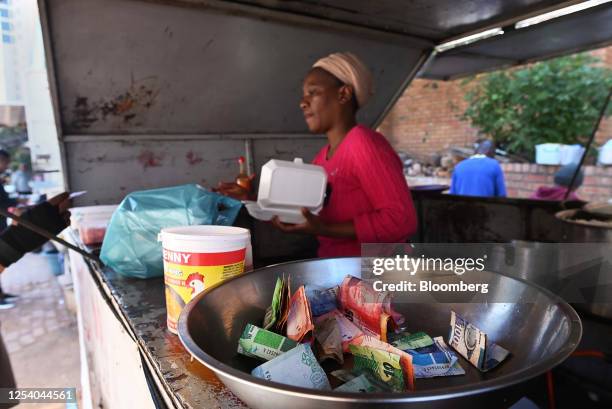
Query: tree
552 101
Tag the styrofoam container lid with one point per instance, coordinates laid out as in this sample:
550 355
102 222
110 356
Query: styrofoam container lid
291 184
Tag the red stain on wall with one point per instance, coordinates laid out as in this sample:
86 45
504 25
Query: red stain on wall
193 158
149 159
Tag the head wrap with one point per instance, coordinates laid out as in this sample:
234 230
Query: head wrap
563 177
350 70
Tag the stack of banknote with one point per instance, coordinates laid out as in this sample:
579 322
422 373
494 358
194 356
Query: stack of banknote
346 329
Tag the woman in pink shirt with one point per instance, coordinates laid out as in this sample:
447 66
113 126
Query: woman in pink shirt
368 198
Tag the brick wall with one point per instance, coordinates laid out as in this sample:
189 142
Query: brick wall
425 119
522 179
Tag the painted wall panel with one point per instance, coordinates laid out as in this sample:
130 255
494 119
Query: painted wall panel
126 67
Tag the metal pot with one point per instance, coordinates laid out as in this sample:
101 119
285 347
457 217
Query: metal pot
584 227
540 334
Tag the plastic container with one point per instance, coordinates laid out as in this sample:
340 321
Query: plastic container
79 215
605 153
285 187
92 231
197 257
291 184
291 216
548 154
91 222
571 154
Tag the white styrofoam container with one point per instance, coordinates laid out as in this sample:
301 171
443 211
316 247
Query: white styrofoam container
571 154
285 184
548 154
605 153
285 215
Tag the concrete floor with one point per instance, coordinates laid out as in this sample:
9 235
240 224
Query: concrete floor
40 333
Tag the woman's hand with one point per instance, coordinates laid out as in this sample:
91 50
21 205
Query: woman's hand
234 190
313 225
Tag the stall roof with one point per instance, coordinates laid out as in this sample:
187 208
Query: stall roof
579 31
212 67
434 21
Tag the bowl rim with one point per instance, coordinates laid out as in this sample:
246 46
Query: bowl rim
225 371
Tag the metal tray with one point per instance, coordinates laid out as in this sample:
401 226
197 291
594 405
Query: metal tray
540 335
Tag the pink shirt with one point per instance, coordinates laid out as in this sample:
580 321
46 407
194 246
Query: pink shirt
552 193
368 187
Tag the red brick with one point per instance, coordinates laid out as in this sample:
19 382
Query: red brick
536 178
597 190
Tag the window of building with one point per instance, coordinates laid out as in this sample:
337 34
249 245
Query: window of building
7 39
6 26
4 13
4 1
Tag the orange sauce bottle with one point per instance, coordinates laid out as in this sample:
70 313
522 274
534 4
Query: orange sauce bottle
243 179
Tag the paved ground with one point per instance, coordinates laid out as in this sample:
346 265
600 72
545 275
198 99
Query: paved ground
40 333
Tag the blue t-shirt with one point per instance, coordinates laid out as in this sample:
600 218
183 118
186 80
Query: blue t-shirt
478 176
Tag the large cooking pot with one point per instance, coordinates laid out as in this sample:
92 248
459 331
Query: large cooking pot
539 334
581 226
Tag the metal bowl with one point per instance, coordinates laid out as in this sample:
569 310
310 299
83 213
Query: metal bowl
540 335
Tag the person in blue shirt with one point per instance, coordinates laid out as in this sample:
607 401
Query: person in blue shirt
479 175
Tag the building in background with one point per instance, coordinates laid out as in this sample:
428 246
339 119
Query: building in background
12 56
24 83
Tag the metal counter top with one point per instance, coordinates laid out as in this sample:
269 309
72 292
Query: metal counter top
180 381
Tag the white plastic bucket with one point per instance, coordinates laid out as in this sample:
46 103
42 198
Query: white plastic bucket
605 154
571 154
197 257
548 154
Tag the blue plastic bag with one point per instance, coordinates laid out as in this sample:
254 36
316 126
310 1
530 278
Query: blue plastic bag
130 245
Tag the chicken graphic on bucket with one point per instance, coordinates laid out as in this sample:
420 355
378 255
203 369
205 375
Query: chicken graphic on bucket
196 282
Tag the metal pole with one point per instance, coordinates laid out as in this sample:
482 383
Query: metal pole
42 232
602 113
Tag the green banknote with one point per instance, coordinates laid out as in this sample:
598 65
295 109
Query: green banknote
272 313
260 343
381 364
413 341
361 384
297 367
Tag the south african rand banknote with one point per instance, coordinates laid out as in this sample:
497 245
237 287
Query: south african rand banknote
405 358
348 330
329 340
435 360
322 300
412 341
299 320
367 308
361 384
381 364
260 343
296 367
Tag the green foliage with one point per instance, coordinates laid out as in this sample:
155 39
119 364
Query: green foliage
552 101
